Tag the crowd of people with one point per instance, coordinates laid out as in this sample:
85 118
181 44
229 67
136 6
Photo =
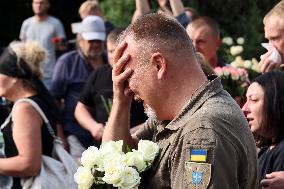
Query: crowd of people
153 80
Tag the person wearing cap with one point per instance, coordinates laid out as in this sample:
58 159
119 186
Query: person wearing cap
70 74
92 7
45 30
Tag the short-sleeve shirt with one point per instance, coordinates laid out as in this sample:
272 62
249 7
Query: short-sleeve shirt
43 32
70 75
271 160
208 145
97 94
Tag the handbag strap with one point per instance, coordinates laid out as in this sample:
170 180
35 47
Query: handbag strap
39 110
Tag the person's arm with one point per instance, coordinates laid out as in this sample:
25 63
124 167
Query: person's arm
163 4
86 120
274 180
179 12
177 7
27 137
136 128
142 7
58 87
22 35
118 125
61 135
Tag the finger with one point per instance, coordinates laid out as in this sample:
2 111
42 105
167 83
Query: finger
119 51
271 175
272 66
117 68
124 76
266 55
265 183
264 65
265 61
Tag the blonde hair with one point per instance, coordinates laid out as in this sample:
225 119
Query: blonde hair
277 10
32 53
89 7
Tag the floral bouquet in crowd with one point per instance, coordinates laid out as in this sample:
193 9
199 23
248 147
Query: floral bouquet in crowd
110 166
232 53
251 66
234 80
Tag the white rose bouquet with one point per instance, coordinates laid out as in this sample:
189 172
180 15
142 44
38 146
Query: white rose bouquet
232 50
109 165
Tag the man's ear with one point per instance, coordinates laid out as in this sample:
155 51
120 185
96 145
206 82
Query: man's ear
160 62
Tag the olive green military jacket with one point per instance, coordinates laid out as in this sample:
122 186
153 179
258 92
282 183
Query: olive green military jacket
208 145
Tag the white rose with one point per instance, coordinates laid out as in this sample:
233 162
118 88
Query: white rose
114 174
254 61
131 178
81 186
83 177
256 68
240 40
235 50
111 151
148 149
111 147
235 77
248 64
113 159
227 40
135 159
91 157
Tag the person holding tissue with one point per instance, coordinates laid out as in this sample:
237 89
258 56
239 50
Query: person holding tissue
273 29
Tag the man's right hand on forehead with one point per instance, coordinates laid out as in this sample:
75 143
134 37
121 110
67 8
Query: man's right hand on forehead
120 74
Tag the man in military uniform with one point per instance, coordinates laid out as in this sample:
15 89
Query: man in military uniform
204 139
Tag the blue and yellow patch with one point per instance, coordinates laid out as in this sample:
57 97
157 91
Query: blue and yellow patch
198 155
198 175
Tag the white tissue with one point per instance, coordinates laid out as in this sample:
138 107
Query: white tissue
275 55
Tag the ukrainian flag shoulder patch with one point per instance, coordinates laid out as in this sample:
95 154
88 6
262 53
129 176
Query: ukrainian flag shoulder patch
198 155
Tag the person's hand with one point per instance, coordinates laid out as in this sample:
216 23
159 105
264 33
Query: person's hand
273 180
97 131
266 64
121 91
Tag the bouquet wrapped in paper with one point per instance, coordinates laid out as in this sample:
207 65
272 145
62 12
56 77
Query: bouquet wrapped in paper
109 165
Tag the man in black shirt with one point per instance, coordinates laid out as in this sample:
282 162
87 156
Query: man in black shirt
95 101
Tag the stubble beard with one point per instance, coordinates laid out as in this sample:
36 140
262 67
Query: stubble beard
150 112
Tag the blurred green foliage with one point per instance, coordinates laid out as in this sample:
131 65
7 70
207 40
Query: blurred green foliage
118 12
236 18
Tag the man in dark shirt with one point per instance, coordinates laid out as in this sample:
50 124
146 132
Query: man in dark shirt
95 101
70 74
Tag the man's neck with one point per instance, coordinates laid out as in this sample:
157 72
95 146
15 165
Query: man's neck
96 62
214 62
181 95
41 18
